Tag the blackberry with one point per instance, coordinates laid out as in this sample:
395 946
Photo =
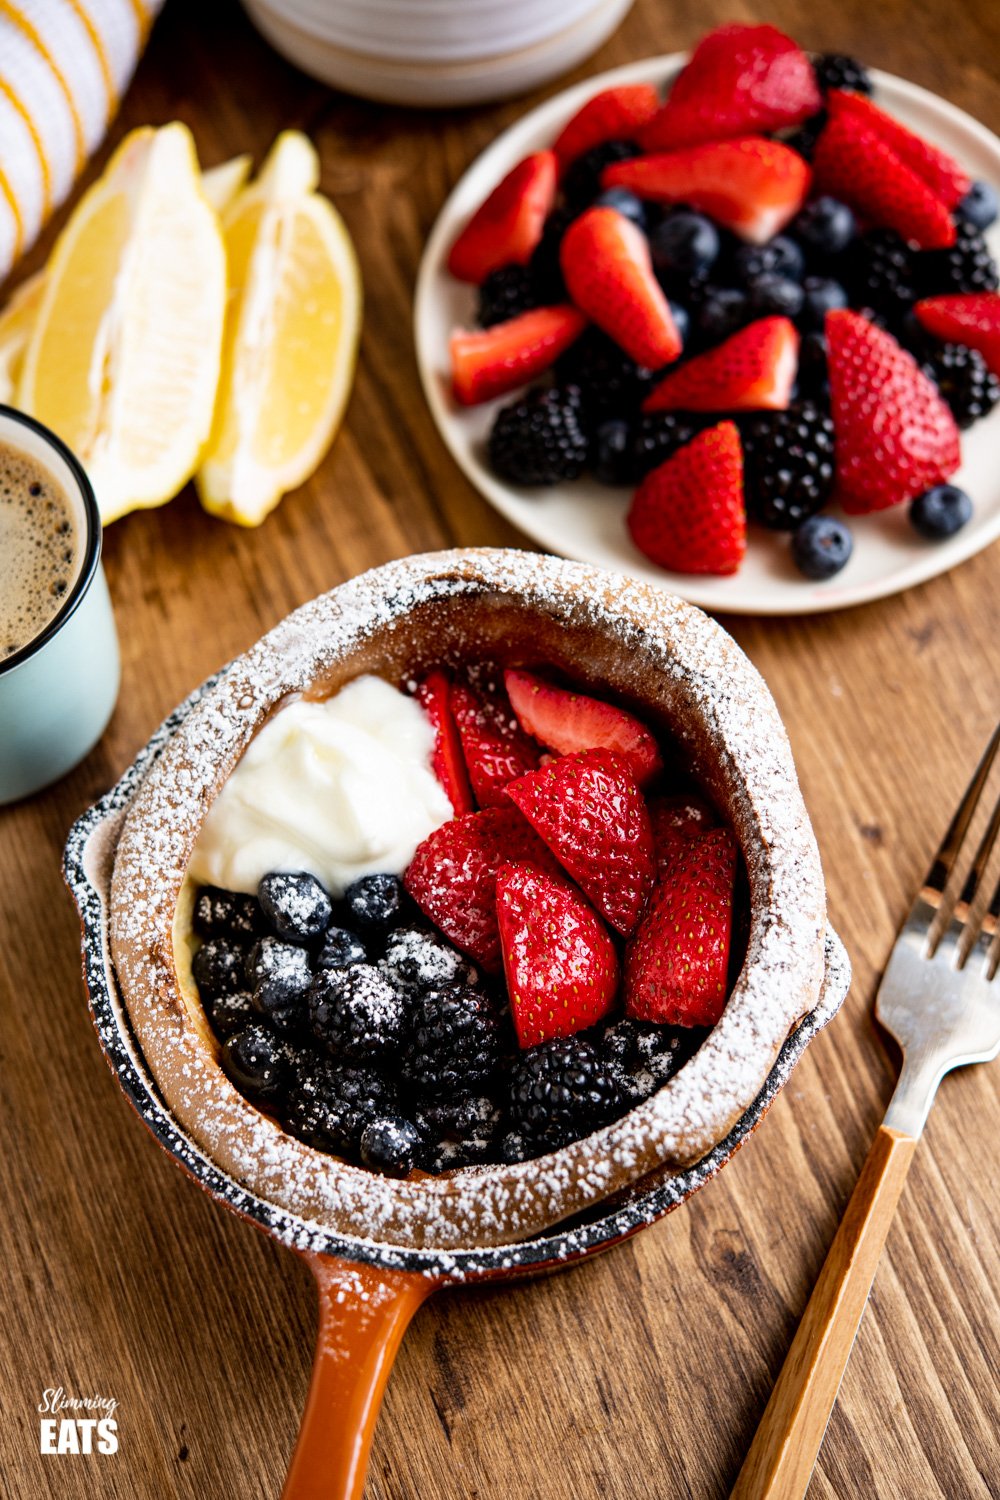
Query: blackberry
389 1144
965 381
610 383
645 1044
295 905
279 975
546 272
582 181
505 294
218 967
879 273
835 70
329 1104
787 465
355 1013
659 435
514 1148
539 439
563 1090
813 379
219 913
339 949
256 1061
803 140
230 1013
455 1044
966 266
464 1132
417 959
377 903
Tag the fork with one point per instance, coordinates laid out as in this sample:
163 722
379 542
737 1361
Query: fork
940 999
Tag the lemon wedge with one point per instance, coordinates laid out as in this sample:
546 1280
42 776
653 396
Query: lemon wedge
16 323
123 359
221 184
291 337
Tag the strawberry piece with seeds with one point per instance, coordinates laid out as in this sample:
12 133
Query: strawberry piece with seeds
590 812
941 172
447 760
675 820
507 227
676 966
689 514
615 114
560 962
971 318
752 186
855 164
493 361
894 436
740 80
568 721
453 876
753 370
609 275
495 750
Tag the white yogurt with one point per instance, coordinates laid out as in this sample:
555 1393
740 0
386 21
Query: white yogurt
341 788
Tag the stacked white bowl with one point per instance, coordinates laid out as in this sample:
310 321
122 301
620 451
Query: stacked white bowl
436 52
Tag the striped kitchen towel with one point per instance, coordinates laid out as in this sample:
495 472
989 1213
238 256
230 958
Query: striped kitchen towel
64 65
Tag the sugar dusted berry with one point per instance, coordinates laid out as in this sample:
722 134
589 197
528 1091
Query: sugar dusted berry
330 1103
339 949
279 975
295 905
418 959
561 1091
230 1013
377 903
455 1044
220 913
256 1061
218 967
390 1144
356 1014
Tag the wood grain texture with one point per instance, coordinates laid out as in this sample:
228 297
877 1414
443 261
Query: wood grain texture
645 1370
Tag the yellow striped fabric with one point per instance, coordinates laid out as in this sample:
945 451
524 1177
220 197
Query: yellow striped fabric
64 65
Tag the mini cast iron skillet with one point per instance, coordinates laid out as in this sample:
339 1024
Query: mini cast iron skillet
368 1292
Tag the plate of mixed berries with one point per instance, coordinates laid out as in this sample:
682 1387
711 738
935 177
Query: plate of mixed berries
729 322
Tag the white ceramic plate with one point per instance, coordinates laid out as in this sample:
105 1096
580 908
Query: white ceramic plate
585 520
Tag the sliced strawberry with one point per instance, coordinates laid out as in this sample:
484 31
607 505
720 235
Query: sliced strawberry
677 964
752 186
447 761
506 228
488 363
855 164
689 514
939 171
753 369
560 963
615 114
609 275
495 750
589 810
568 721
971 318
453 876
740 80
894 437
674 821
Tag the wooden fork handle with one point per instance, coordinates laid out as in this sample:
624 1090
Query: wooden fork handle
787 1442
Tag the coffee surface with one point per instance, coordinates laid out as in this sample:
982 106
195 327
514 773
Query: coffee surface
40 549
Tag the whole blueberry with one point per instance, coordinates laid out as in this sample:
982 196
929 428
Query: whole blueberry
779 257
824 228
390 1144
682 320
376 903
295 904
279 975
820 295
613 452
624 202
723 311
940 512
684 244
256 1061
772 295
821 546
980 205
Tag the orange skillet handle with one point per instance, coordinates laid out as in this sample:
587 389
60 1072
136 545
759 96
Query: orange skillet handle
363 1313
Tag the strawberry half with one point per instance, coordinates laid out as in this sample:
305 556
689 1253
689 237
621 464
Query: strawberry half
753 369
615 114
609 275
491 362
495 750
453 876
740 80
674 821
589 810
894 436
676 966
506 228
568 721
939 171
971 318
752 186
447 761
854 163
560 963
689 514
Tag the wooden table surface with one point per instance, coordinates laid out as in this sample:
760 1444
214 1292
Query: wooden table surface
645 1370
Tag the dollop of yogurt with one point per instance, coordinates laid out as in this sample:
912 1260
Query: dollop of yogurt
341 788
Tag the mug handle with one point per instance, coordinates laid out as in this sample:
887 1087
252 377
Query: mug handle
363 1313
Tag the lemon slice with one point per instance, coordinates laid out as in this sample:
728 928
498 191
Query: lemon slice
123 360
221 184
291 337
16 323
